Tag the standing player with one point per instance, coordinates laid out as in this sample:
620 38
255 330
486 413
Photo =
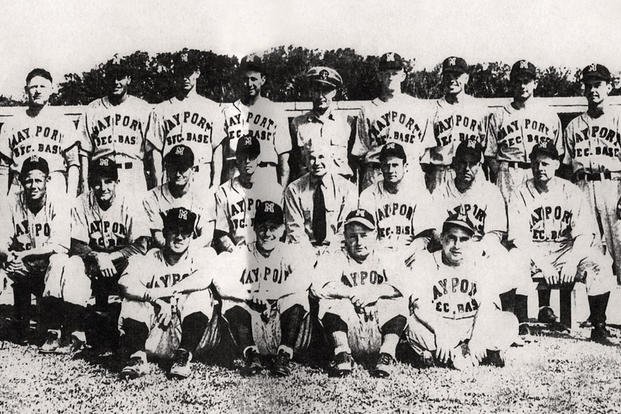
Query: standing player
191 120
592 152
116 127
454 118
271 309
43 131
395 117
360 305
258 117
239 198
555 234
35 232
181 190
516 128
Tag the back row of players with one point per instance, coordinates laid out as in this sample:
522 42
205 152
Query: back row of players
395 136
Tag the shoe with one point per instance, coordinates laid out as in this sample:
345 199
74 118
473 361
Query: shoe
181 364
281 364
52 342
546 315
523 329
427 360
494 358
342 364
384 366
136 367
77 343
600 334
461 359
252 360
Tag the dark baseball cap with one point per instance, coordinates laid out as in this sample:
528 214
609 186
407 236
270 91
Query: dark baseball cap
595 71
251 63
454 64
180 156
179 218
390 61
249 146
392 149
547 149
361 216
468 149
103 167
268 211
185 64
523 68
324 75
34 162
459 220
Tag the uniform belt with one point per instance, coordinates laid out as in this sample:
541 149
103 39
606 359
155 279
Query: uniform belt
264 164
198 167
597 176
518 164
125 165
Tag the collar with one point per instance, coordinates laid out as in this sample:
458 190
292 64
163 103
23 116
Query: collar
328 115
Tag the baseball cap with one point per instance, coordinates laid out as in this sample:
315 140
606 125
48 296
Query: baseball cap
454 64
103 167
523 68
548 149
180 156
268 211
185 65
179 218
324 75
469 149
460 220
248 145
390 61
34 162
392 149
361 216
251 63
595 71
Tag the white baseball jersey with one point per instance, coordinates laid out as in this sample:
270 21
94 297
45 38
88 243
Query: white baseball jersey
594 144
236 207
550 221
196 122
513 133
404 120
118 131
398 217
453 123
265 120
50 135
482 204
107 230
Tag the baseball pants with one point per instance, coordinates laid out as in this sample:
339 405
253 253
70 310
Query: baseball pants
510 178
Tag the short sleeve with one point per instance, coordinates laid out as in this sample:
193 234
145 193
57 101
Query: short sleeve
219 128
496 219
83 133
282 137
79 222
568 144
222 222
139 226
152 212
493 120
155 133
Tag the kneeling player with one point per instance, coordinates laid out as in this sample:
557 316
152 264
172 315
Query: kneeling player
271 308
360 305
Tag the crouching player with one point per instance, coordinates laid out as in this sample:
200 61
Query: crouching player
454 303
360 304
270 313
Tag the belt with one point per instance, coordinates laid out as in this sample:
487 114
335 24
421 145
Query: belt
125 165
518 164
198 167
596 176
264 164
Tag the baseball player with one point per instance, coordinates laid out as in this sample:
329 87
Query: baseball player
454 303
167 307
454 118
268 314
592 154
316 203
258 117
554 231
395 117
43 131
191 120
116 127
35 234
181 191
360 304
324 124
401 212
240 197
517 127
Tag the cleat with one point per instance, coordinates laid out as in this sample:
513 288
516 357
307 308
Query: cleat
384 366
52 342
600 334
181 364
77 343
546 315
343 364
136 367
494 358
281 364
252 360
461 358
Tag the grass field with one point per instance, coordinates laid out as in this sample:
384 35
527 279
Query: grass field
549 374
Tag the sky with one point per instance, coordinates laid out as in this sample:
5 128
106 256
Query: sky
73 36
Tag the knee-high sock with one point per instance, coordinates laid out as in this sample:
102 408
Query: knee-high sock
52 313
240 325
391 332
597 306
290 324
134 336
193 328
337 329
507 301
544 296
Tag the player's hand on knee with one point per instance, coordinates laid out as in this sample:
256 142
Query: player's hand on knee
106 267
568 272
164 315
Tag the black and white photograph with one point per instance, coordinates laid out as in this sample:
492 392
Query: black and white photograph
310 206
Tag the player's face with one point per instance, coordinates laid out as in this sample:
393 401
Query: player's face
454 82
119 85
455 241
524 87
544 168
596 91
393 169
34 184
318 162
269 235
466 169
178 175
358 241
104 188
187 81
322 96
177 240
391 79
247 165
38 90
252 82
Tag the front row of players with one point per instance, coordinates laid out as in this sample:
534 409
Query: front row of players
178 298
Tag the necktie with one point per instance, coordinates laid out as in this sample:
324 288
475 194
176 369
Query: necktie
319 215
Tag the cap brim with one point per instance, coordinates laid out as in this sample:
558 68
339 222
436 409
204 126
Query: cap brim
325 82
359 220
595 77
460 224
